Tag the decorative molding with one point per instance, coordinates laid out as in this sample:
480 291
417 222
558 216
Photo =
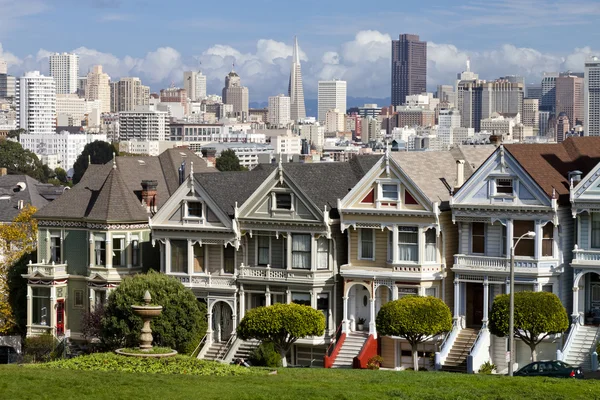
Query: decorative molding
92 225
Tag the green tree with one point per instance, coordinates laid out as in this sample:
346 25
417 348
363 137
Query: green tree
20 161
98 152
181 325
415 319
282 325
537 315
16 133
61 175
228 161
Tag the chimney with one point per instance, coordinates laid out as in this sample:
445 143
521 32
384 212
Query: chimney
575 177
149 194
460 174
496 140
3 171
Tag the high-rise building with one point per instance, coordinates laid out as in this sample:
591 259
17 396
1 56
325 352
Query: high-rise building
449 119
466 75
548 101
534 91
562 127
7 86
142 123
175 95
279 111
544 123
36 103
335 121
98 87
569 98
194 82
3 66
331 95
591 108
236 95
531 113
64 68
409 67
81 86
446 94
127 94
295 88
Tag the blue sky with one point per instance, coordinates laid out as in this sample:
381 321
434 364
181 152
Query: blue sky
157 40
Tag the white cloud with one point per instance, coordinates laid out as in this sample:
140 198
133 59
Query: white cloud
367 46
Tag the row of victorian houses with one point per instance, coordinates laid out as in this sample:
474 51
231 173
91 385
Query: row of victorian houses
344 238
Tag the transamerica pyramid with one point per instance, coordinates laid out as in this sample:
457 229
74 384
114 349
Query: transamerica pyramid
295 90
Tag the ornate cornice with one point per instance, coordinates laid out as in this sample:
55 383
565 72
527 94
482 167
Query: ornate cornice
91 225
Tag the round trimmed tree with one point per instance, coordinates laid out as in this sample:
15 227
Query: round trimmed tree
282 325
181 325
537 315
415 319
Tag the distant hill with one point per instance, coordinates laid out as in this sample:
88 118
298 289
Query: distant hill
312 105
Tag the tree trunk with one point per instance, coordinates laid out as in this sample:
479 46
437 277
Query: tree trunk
533 352
415 355
283 359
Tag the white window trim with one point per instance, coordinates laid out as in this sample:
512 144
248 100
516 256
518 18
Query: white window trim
360 257
274 201
380 197
420 242
186 215
515 186
123 250
223 260
256 256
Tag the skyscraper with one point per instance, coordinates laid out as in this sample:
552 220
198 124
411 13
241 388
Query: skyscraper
569 98
195 85
295 89
331 95
3 66
548 101
98 87
127 94
591 91
279 111
64 68
236 95
409 67
36 103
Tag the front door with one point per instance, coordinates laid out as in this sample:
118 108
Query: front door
60 317
222 322
474 304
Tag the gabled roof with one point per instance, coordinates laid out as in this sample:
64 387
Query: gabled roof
549 164
35 193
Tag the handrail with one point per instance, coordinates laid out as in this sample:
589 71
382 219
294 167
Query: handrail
61 347
475 342
336 337
226 348
197 349
447 336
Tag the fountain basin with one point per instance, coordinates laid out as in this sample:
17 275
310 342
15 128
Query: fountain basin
147 311
123 352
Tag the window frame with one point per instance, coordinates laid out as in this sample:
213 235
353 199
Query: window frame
360 244
258 247
44 303
302 301
76 302
226 258
187 210
591 230
202 254
497 182
412 230
525 240
99 238
53 236
276 202
303 253
135 251
548 241
473 236
434 244
396 191
122 251
185 256
322 253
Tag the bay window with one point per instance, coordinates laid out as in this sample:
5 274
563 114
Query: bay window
198 258
301 251
118 251
40 306
408 243
366 246
135 252
229 259
595 217
99 249
301 298
526 246
548 240
322 253
478 238
55 247
430 245
263 250
179 252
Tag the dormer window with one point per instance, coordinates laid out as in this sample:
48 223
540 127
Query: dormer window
504 186
283 201
389 192
194 209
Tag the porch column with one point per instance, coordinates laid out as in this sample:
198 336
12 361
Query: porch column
395 243
345 327
233 317
394 292
537 286
190 258
29 309
242 295
313 252
372 328
92 298
167 256
52 310
456 299
486 301
209 331
509 237
575 315
91 250
267 296
289 251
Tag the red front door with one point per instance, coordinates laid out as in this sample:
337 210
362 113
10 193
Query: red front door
60 317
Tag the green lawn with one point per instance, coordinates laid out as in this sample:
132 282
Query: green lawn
18 382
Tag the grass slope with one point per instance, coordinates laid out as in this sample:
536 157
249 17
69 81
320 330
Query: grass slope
35 383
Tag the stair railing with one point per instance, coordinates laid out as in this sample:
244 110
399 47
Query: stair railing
336 337
224 350
570 338
479 352
447 343
196 351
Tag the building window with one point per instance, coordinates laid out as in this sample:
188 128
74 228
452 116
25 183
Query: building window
198 258
366 246
135 252
301 298
322 253
179 252
595 230
55 247
100 298
430 245
263 250
323 306
408 243
100 250
40 305
431 292
229 259
478 238
526 246
283 201
301 251
118 252
194 209
389 192
504 186
548 240
78 298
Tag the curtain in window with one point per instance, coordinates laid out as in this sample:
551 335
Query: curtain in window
322 253
179 256
55 249
408 248
99 246
430 245
198 258
595 230
301 251
263 250
366 243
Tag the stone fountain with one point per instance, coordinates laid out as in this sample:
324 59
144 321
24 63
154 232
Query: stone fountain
147 313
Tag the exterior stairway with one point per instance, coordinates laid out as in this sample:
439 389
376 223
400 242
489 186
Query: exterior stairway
350 348
245 349
216 351
583 345
457 357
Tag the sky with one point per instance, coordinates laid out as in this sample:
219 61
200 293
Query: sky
350 40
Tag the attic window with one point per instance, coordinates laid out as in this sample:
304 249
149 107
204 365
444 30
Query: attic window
504 186
283 201
194 209
389 191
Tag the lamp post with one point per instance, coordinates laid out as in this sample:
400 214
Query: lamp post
511 321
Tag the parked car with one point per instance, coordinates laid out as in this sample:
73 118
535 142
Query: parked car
8 355
556 369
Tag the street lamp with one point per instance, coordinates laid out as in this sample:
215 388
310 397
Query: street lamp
511 322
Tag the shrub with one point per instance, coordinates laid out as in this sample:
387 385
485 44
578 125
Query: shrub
265 355
375 362
168 365
40 348
180 326
91 323
487 368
